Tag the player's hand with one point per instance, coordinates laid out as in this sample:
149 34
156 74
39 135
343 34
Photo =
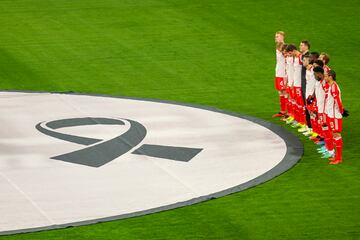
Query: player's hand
345 113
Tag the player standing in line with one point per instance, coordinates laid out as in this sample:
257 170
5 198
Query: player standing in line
309 93
286 81
304 49
335 111
317 106
299 109
290 87
280 73
327 150
308 130
324 58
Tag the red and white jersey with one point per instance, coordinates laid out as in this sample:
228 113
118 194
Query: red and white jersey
310 82
280 64
333 106
326 69
290 70
297 71
320 95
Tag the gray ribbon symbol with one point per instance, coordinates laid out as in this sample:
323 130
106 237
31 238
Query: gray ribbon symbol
101 152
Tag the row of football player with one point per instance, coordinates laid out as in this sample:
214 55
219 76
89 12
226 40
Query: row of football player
310 98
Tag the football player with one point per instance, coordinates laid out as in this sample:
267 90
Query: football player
335 111
280 84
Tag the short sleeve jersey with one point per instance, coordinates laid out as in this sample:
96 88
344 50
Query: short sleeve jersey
280 64
297 71
333 106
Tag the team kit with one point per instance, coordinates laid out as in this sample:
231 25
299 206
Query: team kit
310 97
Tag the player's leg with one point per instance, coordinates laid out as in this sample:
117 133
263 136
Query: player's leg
301 109
320 123
297 107
290 109
329 142
293 107
338 142
284 105
310 108
325 132
313 135
279 85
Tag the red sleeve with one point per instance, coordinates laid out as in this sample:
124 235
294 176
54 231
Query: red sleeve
335 92
324 86
300 62
326 69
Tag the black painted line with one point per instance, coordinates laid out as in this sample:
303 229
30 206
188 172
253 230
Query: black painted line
168 152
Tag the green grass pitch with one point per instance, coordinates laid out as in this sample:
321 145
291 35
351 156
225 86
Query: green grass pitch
215 53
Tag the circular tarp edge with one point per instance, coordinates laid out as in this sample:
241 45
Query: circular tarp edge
294 152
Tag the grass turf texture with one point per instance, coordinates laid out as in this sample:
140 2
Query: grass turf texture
216 53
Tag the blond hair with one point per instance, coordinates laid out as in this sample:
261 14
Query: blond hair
326 57
281 33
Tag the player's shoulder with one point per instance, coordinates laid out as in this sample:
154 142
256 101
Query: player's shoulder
335 87
326 68
296 60
300 59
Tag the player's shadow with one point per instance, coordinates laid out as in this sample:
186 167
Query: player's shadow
14 74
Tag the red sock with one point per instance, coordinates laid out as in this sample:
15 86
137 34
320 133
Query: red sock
288 106
320 131
317 128
293 109
313 124
286 103
283 103
338 144
301 114
328 138
296 112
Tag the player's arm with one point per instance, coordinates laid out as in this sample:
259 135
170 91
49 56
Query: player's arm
336 94
312 90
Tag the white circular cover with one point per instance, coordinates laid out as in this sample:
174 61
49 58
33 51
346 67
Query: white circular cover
187 154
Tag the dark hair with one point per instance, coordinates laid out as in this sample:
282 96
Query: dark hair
306 42
306 55
284 47
318 69
326 57
332 73
315 55
291 47
319 62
